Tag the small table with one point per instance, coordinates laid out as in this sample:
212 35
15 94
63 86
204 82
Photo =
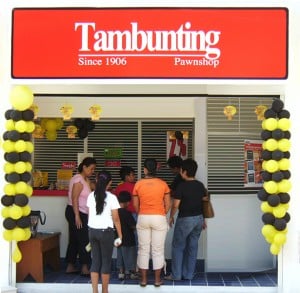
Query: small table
37 252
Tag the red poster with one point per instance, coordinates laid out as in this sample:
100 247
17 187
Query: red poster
252 163
250 43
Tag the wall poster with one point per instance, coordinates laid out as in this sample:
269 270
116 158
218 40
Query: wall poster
252 163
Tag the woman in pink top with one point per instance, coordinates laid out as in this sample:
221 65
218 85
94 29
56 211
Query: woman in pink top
77 216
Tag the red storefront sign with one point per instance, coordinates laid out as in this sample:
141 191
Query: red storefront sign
239 43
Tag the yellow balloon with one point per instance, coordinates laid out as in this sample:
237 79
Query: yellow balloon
9 168
21 126
280 238
27 233
7 235
20 167
20 146
271 144
29 190
271 166
5 212
284 164
30 126
16 212
284 185
268 231
9 189
275 249
17 255
51 135
21 187
21 97
284 124
28 166
9 125
270 187
26 210
29 146
18 234
284 145
265 207
270 124
51 125
279 211
8 146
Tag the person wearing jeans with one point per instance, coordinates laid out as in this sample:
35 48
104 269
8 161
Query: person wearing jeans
188 201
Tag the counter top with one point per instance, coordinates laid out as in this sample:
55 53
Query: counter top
48 192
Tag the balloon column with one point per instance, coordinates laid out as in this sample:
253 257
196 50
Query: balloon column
274 195
18 147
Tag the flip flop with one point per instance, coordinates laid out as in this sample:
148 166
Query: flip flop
143 284
158 284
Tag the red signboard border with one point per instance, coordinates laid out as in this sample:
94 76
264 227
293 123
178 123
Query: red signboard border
285 76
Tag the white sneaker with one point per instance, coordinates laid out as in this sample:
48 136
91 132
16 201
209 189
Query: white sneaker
121 276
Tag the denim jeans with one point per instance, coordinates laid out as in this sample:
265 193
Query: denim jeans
185 246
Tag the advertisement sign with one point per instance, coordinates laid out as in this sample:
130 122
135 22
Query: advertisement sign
237 43
177 144
252 163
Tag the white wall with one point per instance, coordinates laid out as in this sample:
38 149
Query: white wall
234 239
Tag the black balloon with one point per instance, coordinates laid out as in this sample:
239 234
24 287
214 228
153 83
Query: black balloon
284 114
5 135
90 125
13 177
23 222
277 155
21 200
82 133
273 200
277 176
266 176
277 105
13 135
12 157
262 195
284 197
287 155
26 176
280 224
9 223
26 136
7 114
287 134
286 174
78 123
266 134
25 156
28 115
16 115
287 217
266 155
277 134
7 200
269 113
268 218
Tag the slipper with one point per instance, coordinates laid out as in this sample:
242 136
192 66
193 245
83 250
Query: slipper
143 284
158 284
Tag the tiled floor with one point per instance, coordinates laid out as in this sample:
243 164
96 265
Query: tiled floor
251 279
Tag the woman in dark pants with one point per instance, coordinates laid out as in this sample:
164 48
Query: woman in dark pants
77 216
103 216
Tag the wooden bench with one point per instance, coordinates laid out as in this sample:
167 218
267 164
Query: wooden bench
36 253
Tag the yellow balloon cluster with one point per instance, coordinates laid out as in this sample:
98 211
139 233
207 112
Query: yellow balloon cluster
18 148
50 127
275 193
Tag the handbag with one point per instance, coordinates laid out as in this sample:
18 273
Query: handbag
208 210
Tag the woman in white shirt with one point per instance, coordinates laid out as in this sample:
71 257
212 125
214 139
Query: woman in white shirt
103 217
